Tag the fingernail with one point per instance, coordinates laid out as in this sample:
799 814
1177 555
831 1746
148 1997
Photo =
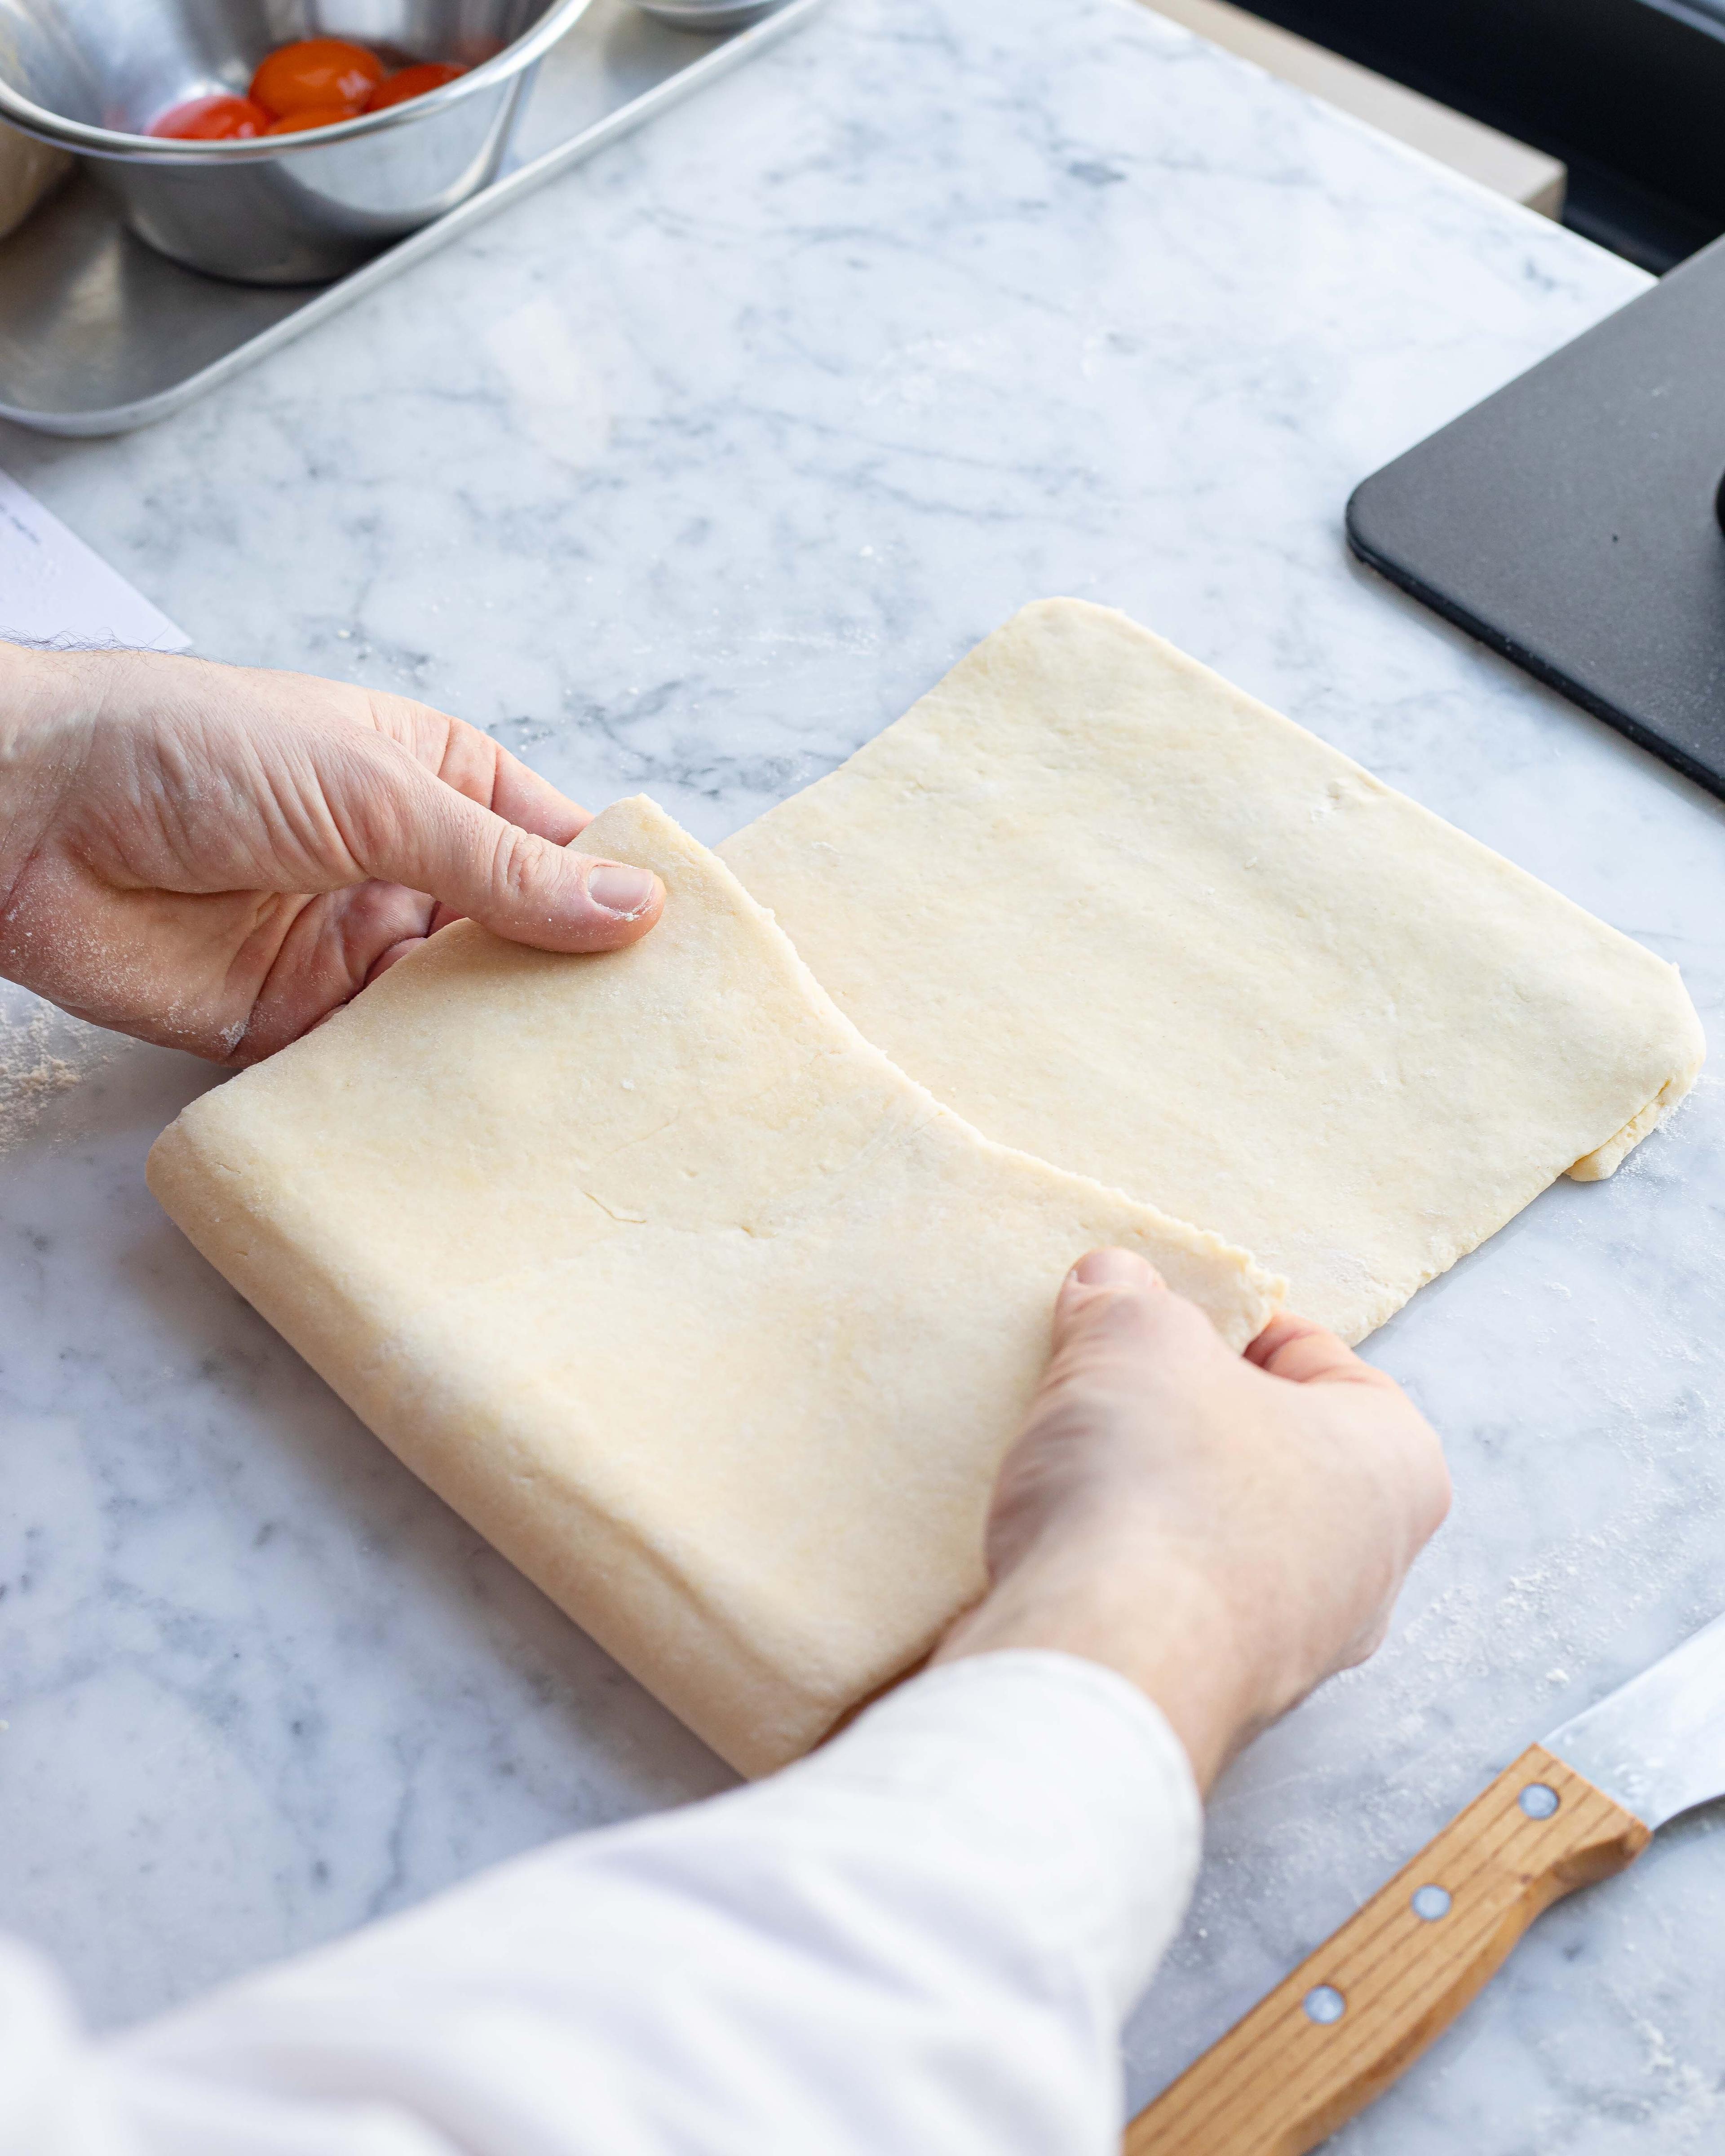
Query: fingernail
1114 1269
620 889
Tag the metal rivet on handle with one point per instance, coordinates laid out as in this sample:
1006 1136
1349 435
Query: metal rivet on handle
1538 1800
1429 1903
1324 2003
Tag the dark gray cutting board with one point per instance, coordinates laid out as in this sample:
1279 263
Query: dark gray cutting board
1568 520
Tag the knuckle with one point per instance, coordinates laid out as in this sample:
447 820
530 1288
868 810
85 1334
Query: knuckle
515 867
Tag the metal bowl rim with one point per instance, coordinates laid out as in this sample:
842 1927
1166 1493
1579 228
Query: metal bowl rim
160 150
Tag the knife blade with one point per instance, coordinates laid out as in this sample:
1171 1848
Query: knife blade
1571 1810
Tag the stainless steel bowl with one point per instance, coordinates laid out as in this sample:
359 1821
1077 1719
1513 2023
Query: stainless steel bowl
90 76
708 14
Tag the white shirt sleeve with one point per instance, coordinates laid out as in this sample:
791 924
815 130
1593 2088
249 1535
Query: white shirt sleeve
922 1939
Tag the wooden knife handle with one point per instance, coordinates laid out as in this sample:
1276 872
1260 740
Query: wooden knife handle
1336 2032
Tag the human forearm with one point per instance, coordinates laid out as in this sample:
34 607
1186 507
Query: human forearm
1087 1599
923 1938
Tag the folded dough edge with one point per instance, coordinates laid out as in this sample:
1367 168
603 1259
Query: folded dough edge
483 1300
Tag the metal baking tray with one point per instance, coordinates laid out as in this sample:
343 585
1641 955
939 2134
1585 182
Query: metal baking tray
100 334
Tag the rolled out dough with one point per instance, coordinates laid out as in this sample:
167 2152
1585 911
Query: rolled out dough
1112 911
702 1311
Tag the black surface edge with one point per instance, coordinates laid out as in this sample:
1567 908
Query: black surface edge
1386 564
1627 92
1599 707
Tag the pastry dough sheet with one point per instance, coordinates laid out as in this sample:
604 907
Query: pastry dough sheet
1115 913
708 1317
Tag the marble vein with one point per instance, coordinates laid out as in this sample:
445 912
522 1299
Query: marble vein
689 475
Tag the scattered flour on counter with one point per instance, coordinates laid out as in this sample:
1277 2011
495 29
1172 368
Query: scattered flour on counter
42 1054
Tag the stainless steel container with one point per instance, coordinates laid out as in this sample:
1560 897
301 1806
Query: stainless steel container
708 14
90 76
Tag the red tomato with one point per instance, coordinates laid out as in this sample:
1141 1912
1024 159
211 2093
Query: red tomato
315 75
412 82
213 120
316 115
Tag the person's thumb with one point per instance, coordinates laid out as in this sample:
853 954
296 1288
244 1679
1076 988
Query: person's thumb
1114 1300
428 836
1104 1289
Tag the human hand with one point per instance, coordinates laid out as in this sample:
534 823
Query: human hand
1226 1531
217 858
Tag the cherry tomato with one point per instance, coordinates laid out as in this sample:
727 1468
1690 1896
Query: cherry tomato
213 120
315 75
412 82
316 115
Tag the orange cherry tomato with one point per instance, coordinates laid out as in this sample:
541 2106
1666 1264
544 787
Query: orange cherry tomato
213 120
315 75
412 82
316 115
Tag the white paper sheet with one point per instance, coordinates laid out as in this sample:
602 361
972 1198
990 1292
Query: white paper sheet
53 588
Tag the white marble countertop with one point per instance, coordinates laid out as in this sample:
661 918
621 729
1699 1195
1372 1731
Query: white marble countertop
688 475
